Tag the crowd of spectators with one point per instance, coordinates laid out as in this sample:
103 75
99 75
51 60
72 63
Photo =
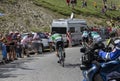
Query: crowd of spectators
14 46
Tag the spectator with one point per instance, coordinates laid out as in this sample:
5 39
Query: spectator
95 4
12 46
69 38
3 47
4 52
68 2
84 3
50 43
103 10
18 47
8 45
36 43
25 42
73 3
104 1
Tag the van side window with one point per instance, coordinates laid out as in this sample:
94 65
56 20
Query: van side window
82 28
72 29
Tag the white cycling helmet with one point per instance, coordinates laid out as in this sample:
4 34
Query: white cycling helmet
117 43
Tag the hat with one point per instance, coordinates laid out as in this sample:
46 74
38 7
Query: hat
18 35
11 32
16 32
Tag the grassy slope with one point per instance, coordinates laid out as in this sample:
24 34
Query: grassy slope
61 7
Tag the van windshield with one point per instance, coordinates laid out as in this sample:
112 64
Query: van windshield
60 30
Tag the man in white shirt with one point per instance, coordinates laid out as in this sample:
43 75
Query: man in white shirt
26 41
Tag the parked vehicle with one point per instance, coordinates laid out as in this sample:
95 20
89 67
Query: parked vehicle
44 41
75 26
95 68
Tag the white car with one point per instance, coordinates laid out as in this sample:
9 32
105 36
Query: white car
44 39
43 43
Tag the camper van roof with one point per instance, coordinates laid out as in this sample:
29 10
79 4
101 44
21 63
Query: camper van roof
69 20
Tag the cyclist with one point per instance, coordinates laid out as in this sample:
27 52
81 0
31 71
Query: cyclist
96 37
85 39
57 39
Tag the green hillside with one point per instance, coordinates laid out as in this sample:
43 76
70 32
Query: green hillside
61 7
37 15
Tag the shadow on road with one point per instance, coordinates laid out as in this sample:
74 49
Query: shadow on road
72 65
18 64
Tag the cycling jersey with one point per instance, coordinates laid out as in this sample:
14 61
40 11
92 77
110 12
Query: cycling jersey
96 37
56 37
85 34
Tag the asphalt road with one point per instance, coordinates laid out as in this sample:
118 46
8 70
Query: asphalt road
44 68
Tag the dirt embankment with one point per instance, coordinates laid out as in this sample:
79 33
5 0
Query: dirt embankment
24 15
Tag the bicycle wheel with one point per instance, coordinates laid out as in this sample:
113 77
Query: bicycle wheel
61 56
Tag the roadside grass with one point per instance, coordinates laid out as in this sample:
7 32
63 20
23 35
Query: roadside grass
61 7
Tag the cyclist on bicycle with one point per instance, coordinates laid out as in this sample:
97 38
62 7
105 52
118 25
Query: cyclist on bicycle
96 37
57 39
85 36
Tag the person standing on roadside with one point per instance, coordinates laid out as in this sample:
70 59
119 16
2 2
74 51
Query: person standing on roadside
25 42
36 43
19 46
3 48
69 38
68 2
12 46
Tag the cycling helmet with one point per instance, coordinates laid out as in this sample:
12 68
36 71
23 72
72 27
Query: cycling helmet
117 43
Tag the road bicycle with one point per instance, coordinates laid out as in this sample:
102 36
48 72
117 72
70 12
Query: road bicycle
61 54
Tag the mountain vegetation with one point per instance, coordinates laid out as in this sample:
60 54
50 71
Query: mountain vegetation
37 15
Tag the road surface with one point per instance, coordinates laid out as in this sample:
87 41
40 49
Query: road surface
44 68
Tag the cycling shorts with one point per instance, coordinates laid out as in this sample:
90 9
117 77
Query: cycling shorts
59 43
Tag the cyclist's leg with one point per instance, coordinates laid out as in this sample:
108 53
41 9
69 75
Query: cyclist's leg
83 41
57 54
63 48
87 42
57 46
84 44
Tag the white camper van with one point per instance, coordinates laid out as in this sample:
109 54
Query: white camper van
75 26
